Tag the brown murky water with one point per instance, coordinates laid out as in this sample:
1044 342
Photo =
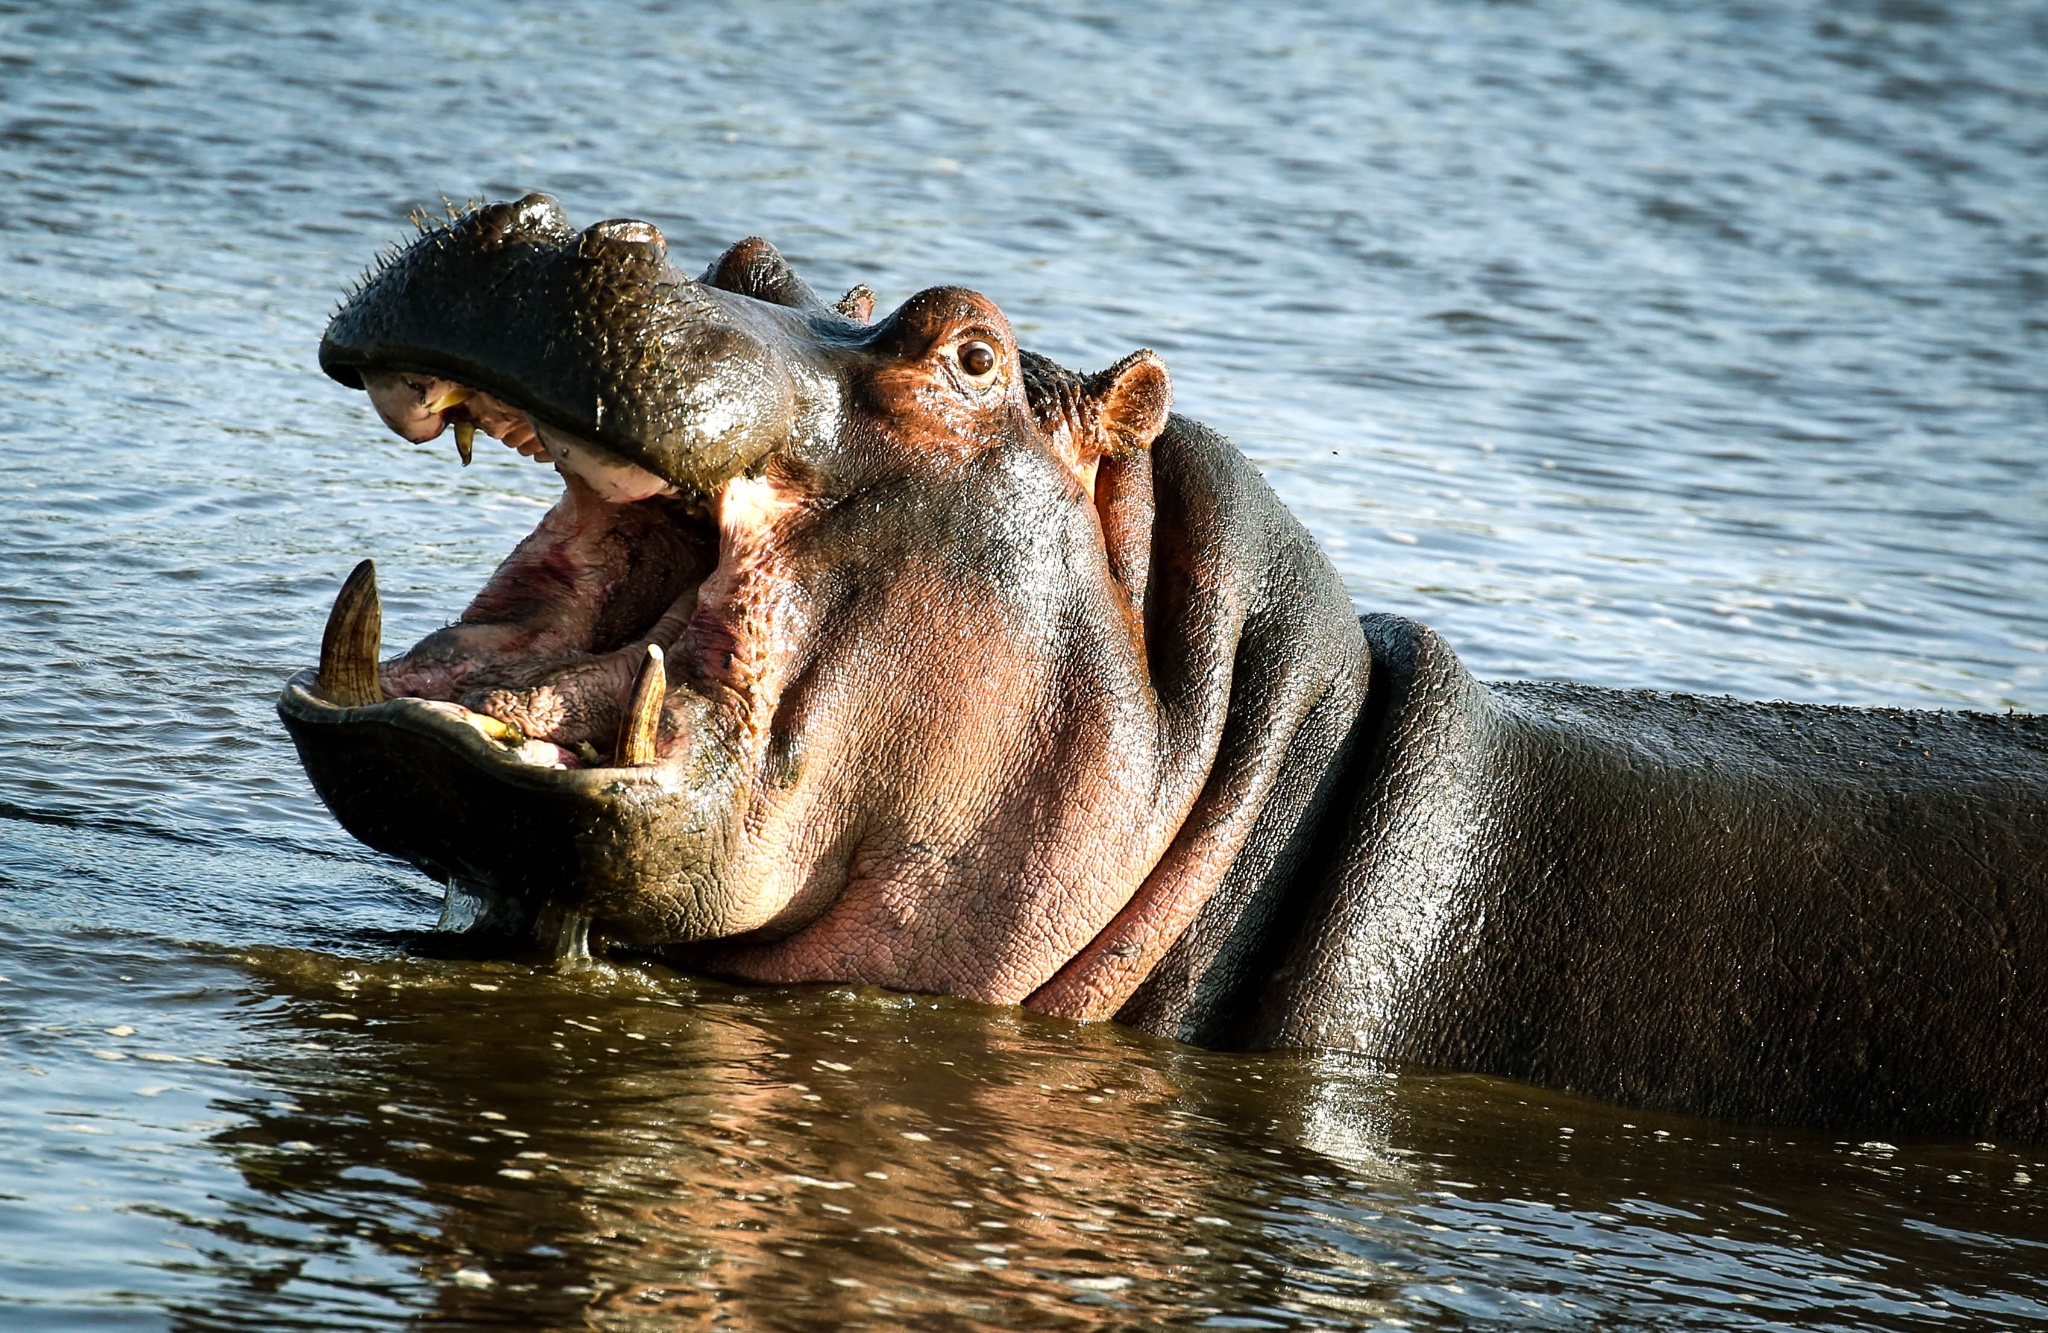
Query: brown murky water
1685 346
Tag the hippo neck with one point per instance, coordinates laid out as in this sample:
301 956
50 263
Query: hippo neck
1290 667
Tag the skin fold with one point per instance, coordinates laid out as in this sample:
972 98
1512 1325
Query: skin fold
885 651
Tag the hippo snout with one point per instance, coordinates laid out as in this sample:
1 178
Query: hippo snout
590 335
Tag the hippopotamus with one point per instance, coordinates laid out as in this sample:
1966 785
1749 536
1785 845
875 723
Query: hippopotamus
885 651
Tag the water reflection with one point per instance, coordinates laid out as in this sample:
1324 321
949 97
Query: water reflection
641 1147
627 1148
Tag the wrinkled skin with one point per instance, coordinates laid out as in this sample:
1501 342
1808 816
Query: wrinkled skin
888 652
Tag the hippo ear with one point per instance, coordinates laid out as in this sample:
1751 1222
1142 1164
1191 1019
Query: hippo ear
757 269
858 304
1133 399
1089 420
1128 404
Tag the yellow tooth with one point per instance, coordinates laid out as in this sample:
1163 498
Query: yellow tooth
504 733
348 650
465 440
455 397
641 728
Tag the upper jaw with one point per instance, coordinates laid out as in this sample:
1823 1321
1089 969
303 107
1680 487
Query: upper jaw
591 334
420 406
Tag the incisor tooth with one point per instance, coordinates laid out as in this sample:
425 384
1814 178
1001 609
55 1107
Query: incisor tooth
465 440
348 650
642 726
455 397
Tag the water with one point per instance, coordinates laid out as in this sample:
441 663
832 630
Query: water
1701 347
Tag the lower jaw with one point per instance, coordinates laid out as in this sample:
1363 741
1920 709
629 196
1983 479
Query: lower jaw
551 840
536 855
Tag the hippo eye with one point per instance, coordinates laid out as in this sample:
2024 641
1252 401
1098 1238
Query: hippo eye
977 358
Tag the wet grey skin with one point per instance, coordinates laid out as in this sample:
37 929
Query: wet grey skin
1827 916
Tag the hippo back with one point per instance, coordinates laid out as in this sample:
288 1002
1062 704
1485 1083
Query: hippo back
1759 911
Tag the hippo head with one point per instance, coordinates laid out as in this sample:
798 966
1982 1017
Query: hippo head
865 651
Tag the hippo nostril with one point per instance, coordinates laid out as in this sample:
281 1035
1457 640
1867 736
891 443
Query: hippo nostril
533 217
540 215
623 238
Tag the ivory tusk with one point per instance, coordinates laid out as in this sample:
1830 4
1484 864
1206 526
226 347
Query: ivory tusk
348 650
642 726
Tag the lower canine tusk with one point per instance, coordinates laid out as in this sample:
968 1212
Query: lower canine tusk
348 650
465 440
642 727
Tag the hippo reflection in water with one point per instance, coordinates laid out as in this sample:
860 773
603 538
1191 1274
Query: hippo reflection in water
888 652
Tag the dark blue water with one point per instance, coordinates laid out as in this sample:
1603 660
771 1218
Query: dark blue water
1701 347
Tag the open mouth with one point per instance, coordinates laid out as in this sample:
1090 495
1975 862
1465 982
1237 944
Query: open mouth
579 739
565 658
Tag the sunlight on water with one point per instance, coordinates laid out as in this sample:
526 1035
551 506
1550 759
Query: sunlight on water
1688 347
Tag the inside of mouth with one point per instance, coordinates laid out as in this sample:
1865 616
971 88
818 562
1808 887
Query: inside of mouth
546 658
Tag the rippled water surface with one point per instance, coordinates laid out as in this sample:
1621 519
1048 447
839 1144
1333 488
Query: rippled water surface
1693 346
